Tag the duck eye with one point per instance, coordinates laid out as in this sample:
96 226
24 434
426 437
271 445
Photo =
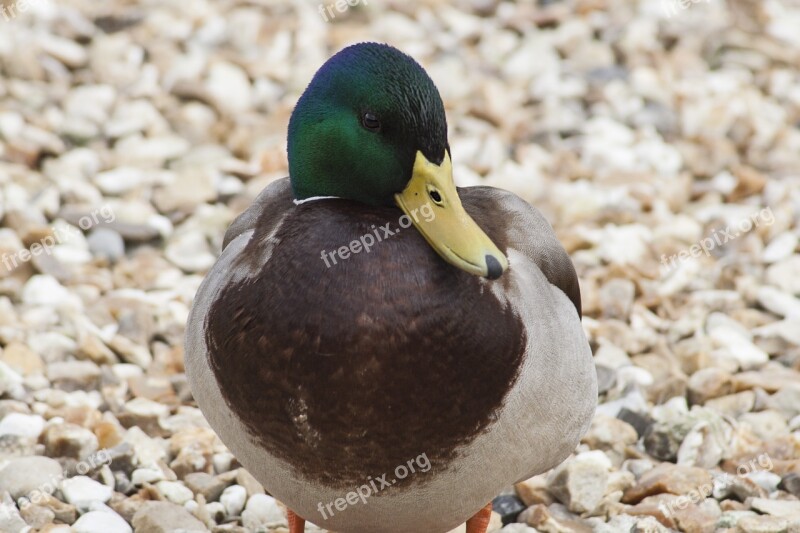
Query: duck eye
371 122
435 196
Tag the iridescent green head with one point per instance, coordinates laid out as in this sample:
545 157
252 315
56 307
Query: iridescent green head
371 127
358 126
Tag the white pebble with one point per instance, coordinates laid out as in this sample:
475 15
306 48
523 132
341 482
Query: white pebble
234 498
21 425
84 490
140 476
262 511
101 522
175 491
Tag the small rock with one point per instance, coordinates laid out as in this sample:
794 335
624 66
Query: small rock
612 436
765 479
779 508
727 485
762 524
733 405
668 478
190 252
554 518
69 440
534 491
580 483
734 342
611 356
770 378
175 491
47 291
28 475
791 484
119 180
616 298
148 452
215 510
662 443
140 476
767 425
786 401
144 414
781 247
630 524
12 446
709 383
189 190
68 52
784 275
74 375
607 432
230 87
36 516
131 352
10 519
22 425
135 150
101 522
165 517
606 378
207 485
64 512
234 499
22 359
508 507
640 422
779 302
262 511
83 490
105 242
688 512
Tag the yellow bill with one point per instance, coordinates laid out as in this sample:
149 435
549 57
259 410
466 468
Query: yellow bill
452 232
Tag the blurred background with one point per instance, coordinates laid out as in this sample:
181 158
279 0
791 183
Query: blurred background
661 138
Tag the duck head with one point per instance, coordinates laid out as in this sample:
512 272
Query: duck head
371 127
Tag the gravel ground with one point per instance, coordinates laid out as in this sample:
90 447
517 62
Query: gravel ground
661 138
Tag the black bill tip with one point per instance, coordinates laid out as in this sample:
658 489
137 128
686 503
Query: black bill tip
493 267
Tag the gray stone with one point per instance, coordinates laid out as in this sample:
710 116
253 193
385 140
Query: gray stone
105 242
74 375
164 517
201 483
27 475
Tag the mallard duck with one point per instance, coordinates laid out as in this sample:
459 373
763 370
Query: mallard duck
384 351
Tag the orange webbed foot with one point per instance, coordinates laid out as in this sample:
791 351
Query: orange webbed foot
296 524
480 522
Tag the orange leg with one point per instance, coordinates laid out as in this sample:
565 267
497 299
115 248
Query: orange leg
296 524
480 522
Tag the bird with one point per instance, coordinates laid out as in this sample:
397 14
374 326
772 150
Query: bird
383 350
